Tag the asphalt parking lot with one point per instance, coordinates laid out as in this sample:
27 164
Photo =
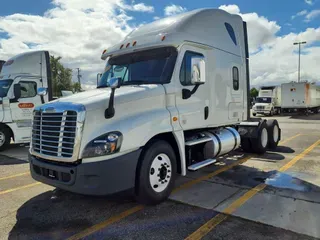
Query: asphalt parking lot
243 196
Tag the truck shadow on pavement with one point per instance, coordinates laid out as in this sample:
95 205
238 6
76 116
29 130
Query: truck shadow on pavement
5 160
58 214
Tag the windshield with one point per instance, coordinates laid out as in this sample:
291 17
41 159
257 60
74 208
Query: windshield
4 87
145 67
263 100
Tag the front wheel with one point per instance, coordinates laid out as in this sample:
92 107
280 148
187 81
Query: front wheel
156 173
254 114
5 138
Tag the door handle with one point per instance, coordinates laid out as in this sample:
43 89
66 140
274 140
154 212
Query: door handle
206 112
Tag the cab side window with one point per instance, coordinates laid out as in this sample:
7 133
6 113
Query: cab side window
186 68
28 89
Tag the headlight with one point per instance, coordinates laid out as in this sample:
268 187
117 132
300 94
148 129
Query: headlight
104 145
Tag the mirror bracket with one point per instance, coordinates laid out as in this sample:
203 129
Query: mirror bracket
186 93
110 111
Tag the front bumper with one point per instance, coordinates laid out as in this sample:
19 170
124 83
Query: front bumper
261 111
95 178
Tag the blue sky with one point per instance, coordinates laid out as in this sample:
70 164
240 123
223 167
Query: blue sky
79 30
275 10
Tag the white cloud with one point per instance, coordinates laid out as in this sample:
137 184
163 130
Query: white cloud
301 13
141 7
312 15
173 9
273 58
156 18
310 2
79 30
233 9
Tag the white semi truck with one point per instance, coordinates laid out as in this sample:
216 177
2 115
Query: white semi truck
20 78
268 101
172 98
300 97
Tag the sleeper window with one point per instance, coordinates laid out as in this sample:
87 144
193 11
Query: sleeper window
235 76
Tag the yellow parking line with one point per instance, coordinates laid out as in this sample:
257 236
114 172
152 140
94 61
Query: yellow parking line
289 139
124 214
19 188
212 223
130 211
16 175
103 224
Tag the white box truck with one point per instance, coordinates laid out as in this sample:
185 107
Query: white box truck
268 101
20 78
172 98
300 97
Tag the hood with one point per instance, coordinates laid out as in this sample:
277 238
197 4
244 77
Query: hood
99 98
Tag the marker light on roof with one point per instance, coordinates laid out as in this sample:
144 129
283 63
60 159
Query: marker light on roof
121 46
128 44
163 38
134 43
104 51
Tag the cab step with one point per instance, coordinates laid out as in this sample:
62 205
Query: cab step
198 141
198 165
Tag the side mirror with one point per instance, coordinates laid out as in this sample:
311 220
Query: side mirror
17 90
198 71
42 91
114 82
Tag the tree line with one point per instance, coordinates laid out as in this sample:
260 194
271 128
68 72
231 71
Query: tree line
62 78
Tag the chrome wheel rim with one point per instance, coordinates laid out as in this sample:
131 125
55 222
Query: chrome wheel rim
2 138
264 137
160 172
275 133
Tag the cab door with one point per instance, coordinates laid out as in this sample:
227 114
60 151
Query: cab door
22 108
192 100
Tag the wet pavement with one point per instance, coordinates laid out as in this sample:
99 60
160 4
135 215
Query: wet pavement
283 203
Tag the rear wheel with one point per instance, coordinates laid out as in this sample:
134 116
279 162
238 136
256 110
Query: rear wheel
254 114
5 138
260 145
273 133
156 173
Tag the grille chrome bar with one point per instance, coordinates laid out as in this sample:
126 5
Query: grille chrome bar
56 131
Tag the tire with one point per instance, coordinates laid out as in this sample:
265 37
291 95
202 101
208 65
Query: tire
260 145
273 133
246 145
271 113
5 137
254 114
158 162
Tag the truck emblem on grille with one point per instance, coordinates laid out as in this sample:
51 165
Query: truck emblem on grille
50 110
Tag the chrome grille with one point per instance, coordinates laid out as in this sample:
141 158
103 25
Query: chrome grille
54 134
260 107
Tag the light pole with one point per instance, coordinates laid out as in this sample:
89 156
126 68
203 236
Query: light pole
299 43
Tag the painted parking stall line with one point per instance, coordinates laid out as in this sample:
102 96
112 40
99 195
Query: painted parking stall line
212 223
186 185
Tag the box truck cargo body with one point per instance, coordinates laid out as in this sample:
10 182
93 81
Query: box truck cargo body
268 101
172 98
300 97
